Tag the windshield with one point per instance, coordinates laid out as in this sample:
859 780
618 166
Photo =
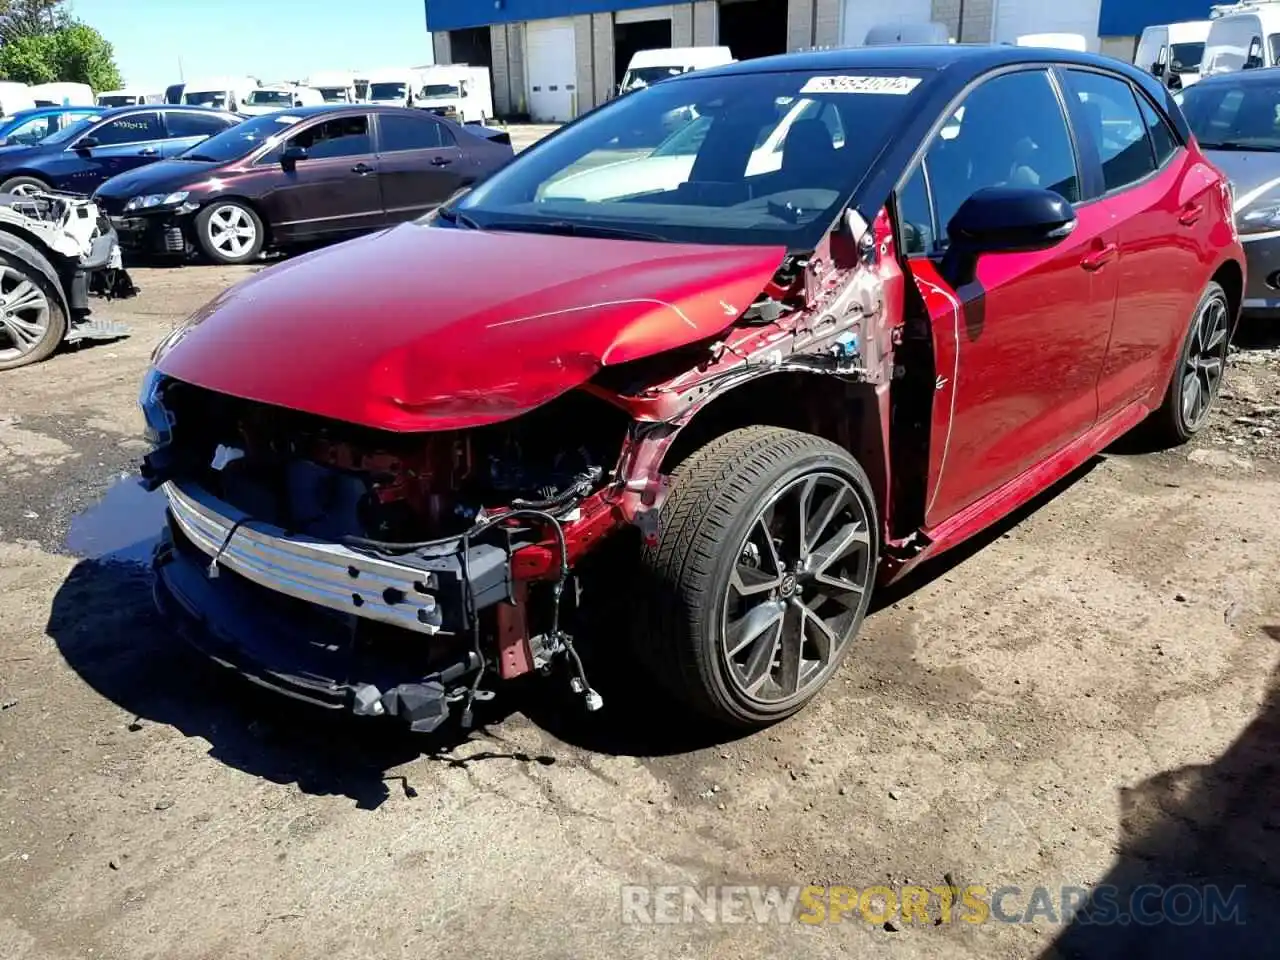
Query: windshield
439 90
1234 116
122 100
388 91
264 98
206 98
242 139
647 76
68 132
749 159
1187 56
335 94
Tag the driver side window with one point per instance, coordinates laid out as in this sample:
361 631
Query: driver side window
1009 132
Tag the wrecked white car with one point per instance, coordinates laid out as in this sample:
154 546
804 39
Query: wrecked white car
55 251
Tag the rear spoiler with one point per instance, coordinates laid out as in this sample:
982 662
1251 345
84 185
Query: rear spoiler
490 133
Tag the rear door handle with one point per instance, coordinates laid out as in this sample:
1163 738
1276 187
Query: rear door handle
440 161
1100 257
362 169
1190 214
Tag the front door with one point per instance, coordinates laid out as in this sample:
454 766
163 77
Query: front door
1019 349
110 148
332 188
419 164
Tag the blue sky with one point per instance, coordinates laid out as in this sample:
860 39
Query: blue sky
269 39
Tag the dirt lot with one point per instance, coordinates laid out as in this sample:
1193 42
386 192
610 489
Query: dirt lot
1087 696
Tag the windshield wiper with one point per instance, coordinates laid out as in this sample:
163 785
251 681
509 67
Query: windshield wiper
569 229
454 216
1237 145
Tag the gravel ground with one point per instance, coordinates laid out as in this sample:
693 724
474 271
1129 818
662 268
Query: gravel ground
1086 695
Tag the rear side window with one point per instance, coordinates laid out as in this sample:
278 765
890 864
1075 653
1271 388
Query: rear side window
194 125
1010 131
1111 114
399 132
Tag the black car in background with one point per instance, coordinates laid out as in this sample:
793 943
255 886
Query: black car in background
314 173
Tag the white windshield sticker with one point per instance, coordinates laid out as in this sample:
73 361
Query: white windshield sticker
287 119
893 86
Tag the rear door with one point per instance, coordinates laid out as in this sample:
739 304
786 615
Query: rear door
186 128
122 143
1162 205
1017 351
419 164
334 190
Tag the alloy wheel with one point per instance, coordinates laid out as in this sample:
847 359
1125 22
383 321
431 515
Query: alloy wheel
1205 362
26 190
24 314
797 590
231 231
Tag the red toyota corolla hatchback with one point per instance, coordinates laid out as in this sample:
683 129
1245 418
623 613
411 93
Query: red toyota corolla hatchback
729 352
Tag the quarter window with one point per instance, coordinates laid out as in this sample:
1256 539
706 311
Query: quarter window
1010 131
134 128
1112 117
1162 138
915 215
183 125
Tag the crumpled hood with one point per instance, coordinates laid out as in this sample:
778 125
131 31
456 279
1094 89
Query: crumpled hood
428 328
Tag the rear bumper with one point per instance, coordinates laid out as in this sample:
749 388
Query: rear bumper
286 612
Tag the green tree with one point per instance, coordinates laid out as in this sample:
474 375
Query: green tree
24 18
73 52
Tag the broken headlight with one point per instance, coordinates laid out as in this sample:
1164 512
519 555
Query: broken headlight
157 421
1261 219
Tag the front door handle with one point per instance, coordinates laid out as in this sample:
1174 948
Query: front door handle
1100 257
148 152
362 169
440 161
1190 214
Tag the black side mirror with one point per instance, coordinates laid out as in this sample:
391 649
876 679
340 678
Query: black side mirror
291 155
1004 220
1157 69
85 144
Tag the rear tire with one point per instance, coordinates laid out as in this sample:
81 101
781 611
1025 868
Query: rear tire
746 611
229 232
24 186
1199 372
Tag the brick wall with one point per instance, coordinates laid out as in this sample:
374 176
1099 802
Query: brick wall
706 23
979 18
440 44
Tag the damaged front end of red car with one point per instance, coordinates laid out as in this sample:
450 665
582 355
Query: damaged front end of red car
389 523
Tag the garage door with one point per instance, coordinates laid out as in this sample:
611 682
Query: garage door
1017 18
859 16
549 53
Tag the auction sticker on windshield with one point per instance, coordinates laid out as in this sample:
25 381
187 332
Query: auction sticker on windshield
893 86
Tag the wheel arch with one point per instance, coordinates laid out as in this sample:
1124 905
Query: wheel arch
30 175
21 244
846 413
1230 275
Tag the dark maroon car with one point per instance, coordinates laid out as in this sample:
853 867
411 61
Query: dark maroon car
315 173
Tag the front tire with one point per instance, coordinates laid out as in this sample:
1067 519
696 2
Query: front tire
32 321
229 232
761 575
1200 370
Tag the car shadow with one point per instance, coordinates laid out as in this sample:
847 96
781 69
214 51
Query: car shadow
105 626
1198 866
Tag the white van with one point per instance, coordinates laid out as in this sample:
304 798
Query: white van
279 96
647 67
1173 51
221 93
460 93
888 34
393 86
128 98
334 86
62 95
15 97
1243 41
1055 41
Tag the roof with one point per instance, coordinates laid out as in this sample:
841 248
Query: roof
162 107
1265 75
971 58
53 111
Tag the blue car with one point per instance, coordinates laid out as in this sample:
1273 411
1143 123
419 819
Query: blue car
80 156
27 127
